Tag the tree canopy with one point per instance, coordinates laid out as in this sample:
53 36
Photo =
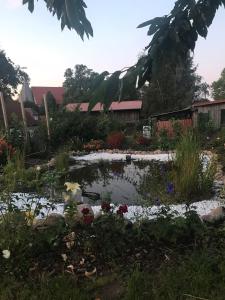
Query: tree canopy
171 90
78 84
218 87
10 75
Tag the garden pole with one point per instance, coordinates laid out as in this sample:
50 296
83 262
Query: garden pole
4 113
24 118
47 116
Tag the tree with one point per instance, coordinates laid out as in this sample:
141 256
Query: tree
79 84
173 35
70 12
218 87
171 90
10 75
204 89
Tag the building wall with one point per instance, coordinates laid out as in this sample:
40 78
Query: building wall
214 113
128 116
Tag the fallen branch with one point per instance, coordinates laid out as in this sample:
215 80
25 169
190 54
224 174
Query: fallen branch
194 297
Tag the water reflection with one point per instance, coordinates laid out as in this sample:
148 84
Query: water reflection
129 183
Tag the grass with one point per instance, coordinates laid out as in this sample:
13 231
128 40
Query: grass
189 176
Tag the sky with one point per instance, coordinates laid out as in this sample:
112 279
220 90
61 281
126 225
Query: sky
35 41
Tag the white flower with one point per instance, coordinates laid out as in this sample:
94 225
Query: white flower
6 254
38 168
73 187
64 257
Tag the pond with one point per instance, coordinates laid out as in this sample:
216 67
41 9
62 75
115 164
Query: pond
124 182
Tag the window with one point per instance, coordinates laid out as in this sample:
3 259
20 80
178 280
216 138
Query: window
223 117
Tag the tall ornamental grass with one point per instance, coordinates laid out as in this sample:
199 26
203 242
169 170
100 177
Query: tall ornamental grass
191 177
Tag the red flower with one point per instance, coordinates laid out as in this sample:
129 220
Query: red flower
88 219
122 209
85 211
105 206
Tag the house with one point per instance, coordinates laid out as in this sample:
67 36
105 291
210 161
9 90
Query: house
39 91
213 111
127 111
13 112
200 111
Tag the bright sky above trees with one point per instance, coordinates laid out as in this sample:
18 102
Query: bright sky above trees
36 41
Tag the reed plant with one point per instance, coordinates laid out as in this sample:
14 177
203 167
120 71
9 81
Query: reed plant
192 176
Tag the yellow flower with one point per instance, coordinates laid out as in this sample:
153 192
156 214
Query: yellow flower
73 187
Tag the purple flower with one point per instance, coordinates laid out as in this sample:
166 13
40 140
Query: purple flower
170 188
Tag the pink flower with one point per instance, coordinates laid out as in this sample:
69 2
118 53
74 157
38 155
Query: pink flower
122 209
85 211
105 206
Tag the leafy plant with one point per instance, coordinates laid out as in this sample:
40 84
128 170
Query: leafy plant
115 140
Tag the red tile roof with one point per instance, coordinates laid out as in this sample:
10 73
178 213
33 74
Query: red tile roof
13 107
208 103
115 106
39 91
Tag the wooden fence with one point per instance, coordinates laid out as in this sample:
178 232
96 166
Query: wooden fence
170 125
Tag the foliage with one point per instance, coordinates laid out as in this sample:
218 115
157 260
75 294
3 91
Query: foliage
171 89
175 34
10 75
6 151
79 84
62 161
218 87
16 133
17 177
74 126
164 140
94 145
141 140
189 177
70 12
115 140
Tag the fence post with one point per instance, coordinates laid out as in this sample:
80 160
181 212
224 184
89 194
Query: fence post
24 118
4 113
47 116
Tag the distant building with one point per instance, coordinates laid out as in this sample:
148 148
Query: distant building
126 111
39 91
13 111
26 93
201 111
213 111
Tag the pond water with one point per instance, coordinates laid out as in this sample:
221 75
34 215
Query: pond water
123 182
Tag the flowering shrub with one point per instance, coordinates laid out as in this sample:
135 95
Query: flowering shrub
115 140
122 210
142 141
6 150
94 145
106 207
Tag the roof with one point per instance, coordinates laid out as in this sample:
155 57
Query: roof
13 107
180 111
115 106
39 91
209 103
